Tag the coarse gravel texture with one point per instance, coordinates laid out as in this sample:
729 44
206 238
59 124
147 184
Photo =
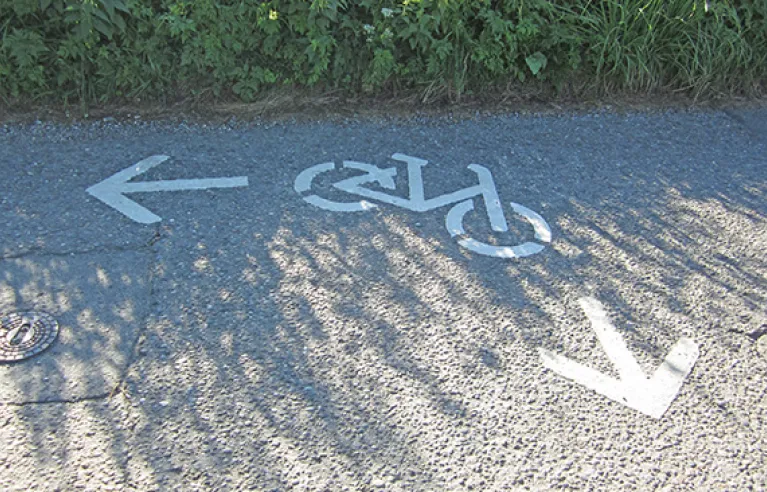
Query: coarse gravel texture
274 345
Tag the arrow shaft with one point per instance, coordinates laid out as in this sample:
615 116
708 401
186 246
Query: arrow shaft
183 184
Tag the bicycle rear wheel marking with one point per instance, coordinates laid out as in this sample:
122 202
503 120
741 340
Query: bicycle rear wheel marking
303 183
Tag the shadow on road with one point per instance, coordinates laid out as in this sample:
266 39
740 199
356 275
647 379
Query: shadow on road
334 353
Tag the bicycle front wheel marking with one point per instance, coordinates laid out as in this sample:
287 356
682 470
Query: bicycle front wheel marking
518 251
454 224
541 228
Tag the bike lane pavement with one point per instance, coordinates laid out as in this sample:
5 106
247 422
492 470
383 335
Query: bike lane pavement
252 339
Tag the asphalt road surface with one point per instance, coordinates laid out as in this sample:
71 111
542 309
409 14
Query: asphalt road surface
337 306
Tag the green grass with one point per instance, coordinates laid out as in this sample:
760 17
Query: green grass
100 51
684 45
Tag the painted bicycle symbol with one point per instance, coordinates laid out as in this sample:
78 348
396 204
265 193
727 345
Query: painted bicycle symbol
462 201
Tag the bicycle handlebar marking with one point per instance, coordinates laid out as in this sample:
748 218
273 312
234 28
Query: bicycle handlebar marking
462 201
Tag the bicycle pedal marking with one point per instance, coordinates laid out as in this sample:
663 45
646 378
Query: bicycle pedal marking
462 201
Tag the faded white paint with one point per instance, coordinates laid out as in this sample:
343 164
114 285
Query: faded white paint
416 201
454 224
651 396
111 191
304 181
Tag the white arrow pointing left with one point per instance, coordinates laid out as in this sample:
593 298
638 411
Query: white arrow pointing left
651 396
112 190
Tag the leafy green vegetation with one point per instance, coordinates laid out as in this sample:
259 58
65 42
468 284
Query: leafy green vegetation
101 50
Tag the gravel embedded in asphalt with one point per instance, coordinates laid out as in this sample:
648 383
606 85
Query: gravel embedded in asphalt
261 342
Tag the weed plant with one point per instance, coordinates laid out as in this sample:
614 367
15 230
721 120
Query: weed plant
102 50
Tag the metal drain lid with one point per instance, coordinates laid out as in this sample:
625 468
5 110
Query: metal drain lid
24 334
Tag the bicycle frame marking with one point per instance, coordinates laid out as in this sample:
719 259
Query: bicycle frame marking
416 201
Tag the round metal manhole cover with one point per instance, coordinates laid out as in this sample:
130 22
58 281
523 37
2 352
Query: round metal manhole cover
25 334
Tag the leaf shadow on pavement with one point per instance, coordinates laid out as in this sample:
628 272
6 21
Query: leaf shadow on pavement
372 351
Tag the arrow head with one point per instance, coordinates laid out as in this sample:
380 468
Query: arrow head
110 191
651 396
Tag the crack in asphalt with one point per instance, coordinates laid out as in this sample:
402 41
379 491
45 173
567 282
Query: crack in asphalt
38 252
134 353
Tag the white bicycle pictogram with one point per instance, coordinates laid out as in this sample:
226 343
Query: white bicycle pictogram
462 201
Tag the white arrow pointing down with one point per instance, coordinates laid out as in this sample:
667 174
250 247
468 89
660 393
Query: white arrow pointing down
651 396
111 191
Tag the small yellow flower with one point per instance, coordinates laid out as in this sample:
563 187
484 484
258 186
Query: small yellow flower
273 15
